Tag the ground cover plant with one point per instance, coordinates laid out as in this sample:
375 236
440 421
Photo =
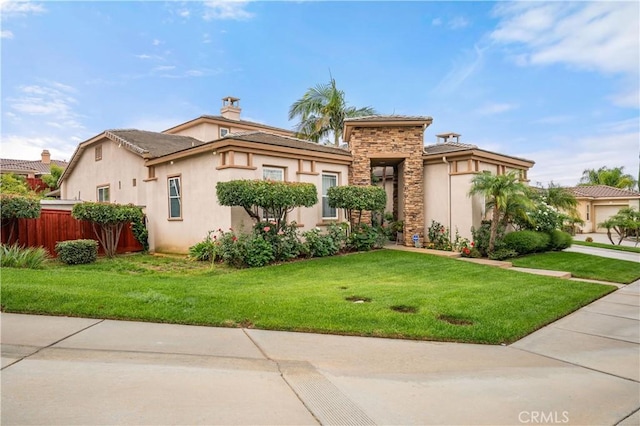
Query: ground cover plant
381 293
608 246
583 266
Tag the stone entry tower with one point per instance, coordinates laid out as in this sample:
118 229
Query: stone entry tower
398 141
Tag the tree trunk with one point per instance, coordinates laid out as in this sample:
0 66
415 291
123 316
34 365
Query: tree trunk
494 229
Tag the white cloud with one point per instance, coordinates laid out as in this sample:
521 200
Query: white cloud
493 108
156 42
565 162
30 147
184 13
226 9
554 119
206 38
54 101
12 9
463 69
6 34
458 22
599 36
436 22
164 68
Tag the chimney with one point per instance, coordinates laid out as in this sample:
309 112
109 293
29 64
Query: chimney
231 108
46 157
448 137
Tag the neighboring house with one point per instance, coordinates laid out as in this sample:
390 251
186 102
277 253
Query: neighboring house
597 203
31 170
173 174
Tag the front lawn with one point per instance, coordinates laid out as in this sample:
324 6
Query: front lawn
583 266
608 246
384 293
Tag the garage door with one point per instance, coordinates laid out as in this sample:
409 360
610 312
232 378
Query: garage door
603 213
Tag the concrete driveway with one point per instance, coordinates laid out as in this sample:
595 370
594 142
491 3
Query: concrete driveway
583 369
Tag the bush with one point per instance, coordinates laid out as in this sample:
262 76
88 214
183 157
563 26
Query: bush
77 252
319 245
481 237
285 242
588 240
559 240
256 251
204 250
365 237
245 250
438 237
502 254
14 256
524 242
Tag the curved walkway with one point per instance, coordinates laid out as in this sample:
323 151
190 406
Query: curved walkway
582 370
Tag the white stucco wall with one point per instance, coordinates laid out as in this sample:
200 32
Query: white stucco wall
436 194
118 168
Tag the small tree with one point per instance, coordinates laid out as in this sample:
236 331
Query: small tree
12 184
357 199
626 223
265 199
52 179
107 221
14 207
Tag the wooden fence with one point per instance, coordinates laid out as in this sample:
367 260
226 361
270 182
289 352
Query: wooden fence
57 225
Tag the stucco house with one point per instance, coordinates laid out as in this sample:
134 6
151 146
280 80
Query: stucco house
173 174
597 203
31 168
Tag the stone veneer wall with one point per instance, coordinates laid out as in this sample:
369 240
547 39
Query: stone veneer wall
397 142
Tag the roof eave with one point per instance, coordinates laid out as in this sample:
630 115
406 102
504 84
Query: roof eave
350 125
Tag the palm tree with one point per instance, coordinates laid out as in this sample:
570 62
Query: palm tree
605 176
322 110
497 190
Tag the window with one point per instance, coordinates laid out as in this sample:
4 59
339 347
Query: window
223 132
273 173
152 172
98 152
134 182
175 198
588 213
328 181
103 194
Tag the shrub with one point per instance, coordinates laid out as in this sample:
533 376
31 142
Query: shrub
319 245
559 240
438 237
502 254
14 207
285 241
482 235
204 250
357 199
524 242
588 240
140 232
110 219
77 252
365 237
256 251
14 256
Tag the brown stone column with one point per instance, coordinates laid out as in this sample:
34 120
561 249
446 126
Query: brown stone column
413 200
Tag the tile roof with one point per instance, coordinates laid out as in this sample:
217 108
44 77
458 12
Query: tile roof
246 122
152 143
37 167
285 141
392 117
602 191
446 147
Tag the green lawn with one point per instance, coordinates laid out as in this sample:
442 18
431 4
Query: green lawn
608 246
452 300
583 266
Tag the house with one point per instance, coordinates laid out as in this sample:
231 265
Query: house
32 170
597 203
173 174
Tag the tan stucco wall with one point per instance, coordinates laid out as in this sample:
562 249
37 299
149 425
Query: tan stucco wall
601 210
205 132
200 209
117 169
436 194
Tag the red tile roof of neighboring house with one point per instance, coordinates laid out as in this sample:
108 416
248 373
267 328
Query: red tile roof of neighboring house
602 191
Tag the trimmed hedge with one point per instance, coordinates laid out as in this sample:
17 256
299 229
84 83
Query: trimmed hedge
77 252
524 242
560 240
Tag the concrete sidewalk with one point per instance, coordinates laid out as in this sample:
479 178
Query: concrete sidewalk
581 370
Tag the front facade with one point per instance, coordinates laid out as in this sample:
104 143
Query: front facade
597 203
173 174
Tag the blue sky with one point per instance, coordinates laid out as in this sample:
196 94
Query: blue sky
557 83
